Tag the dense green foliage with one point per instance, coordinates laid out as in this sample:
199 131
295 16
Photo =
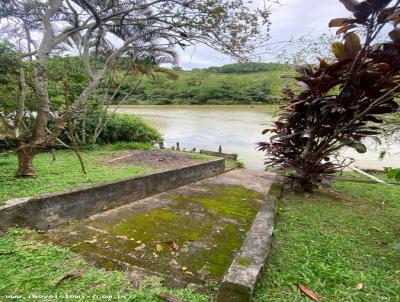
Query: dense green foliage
332 242
342 100
248 67
70 69
116 128
394 174
128 128
234 86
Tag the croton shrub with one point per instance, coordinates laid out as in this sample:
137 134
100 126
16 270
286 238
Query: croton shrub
340 100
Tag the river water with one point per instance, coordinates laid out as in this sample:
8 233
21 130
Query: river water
237 128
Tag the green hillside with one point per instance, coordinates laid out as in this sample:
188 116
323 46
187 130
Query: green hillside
247 83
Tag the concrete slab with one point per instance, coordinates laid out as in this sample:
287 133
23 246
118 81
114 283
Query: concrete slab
189 235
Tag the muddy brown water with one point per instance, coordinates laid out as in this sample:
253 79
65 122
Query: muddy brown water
237 128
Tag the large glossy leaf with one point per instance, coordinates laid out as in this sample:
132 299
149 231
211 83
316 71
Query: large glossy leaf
352 45
359 147
350 4
344 29
363 11
338 22
339 51
371 118
379 3
395 35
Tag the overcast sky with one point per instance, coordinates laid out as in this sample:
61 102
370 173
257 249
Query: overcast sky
293 18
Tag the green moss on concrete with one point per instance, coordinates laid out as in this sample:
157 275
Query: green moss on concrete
275 190
226 201
208 226
243 261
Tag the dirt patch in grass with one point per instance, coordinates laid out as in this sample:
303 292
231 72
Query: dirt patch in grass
156 159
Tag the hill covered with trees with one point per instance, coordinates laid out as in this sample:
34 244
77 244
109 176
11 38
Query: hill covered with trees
244 83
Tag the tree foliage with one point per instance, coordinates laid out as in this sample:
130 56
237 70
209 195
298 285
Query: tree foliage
101 32
205 87
341 100
246 67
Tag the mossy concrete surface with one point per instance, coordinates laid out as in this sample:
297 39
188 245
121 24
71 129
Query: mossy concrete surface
190 235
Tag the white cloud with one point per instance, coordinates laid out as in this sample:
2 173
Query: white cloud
293 18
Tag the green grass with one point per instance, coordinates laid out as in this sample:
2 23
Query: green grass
64 172
232 164
333 241
330 242
29 268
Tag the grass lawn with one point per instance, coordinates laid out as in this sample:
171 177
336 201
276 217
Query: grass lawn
331 242
334 241
65 172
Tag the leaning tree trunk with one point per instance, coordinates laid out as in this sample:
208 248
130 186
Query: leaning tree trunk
25 161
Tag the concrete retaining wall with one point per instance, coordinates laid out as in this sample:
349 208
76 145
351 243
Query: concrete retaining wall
52 210
242 276
218 154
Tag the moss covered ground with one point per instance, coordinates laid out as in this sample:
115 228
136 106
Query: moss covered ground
208 226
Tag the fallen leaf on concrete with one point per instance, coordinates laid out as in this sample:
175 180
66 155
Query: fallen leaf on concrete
93 241
134 280
173 245
159 247
360 286
76 275
173 263
169 298
140 247
309 293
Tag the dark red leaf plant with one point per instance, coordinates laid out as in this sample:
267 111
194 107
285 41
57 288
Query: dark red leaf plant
342 99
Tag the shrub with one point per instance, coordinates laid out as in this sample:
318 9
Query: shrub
342 100
128 128
394 174
116 128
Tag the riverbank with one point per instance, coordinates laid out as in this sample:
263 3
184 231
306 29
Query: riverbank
238 128
341 243
103 164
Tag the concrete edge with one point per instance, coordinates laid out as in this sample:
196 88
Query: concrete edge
14 201
218 154
54 209
239 282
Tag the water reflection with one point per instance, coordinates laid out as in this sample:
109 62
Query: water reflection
236 128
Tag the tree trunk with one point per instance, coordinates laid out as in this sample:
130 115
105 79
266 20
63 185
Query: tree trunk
25 162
